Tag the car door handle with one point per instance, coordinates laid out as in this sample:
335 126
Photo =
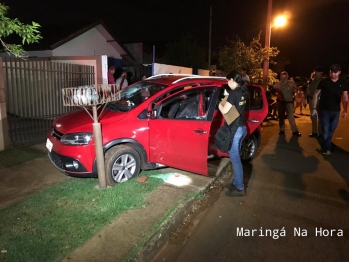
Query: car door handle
252 120
200 131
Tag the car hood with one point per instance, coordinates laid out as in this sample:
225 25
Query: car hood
81 121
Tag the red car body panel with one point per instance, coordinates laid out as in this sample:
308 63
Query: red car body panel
179 144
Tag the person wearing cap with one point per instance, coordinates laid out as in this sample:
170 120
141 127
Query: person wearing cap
111 72
285 92
333 90
315 121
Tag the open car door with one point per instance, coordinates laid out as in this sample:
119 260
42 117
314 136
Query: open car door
179 128
255 112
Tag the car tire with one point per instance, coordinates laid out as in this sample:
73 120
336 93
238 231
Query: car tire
121 163
249 149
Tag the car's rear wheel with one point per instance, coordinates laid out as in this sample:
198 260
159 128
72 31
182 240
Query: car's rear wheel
249 149
122 163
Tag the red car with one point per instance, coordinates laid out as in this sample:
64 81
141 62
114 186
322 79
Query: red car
165 120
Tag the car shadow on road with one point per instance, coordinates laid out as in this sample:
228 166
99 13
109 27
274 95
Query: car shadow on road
289 159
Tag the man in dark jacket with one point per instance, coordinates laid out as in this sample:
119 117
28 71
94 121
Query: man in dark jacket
334 90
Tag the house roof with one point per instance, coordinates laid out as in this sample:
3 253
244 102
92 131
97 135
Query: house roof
57 35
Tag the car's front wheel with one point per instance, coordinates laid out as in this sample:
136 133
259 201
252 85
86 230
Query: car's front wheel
249 149
122 163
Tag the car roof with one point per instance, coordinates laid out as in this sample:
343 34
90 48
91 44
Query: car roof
169 79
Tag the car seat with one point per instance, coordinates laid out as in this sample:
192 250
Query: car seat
188 108
173 110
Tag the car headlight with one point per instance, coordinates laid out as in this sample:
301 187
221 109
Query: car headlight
76 139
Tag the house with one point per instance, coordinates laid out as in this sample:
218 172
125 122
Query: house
84 55
93 44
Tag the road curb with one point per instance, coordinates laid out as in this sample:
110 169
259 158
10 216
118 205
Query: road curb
172 221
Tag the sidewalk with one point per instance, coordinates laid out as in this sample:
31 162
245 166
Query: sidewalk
133 235
148 227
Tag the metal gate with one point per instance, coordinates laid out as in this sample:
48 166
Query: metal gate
34 97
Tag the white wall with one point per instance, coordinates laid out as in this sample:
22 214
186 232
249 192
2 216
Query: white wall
203 72
167 69
44 53
90 43
104 62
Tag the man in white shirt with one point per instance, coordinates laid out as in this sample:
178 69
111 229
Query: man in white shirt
245 77
122 80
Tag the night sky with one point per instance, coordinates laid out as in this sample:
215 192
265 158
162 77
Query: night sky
316 33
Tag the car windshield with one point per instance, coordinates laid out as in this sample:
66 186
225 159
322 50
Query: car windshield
134 95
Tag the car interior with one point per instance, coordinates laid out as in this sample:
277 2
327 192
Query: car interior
187 105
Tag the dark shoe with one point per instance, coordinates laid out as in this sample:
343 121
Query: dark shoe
230 187
327 153
313 135
281 132
296 133
235 193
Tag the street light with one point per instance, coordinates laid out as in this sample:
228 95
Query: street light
279 21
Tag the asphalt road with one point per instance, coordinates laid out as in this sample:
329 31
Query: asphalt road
294 209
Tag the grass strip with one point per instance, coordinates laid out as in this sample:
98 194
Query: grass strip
52 223
15 155
161 222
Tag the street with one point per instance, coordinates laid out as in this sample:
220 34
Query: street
294 209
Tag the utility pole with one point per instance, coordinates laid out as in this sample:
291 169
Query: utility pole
209 39
267 45
153 63
97 135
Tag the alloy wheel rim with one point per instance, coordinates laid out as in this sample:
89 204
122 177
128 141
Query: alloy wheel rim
123 168
248 148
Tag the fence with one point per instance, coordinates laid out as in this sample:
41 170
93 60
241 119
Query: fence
34 97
